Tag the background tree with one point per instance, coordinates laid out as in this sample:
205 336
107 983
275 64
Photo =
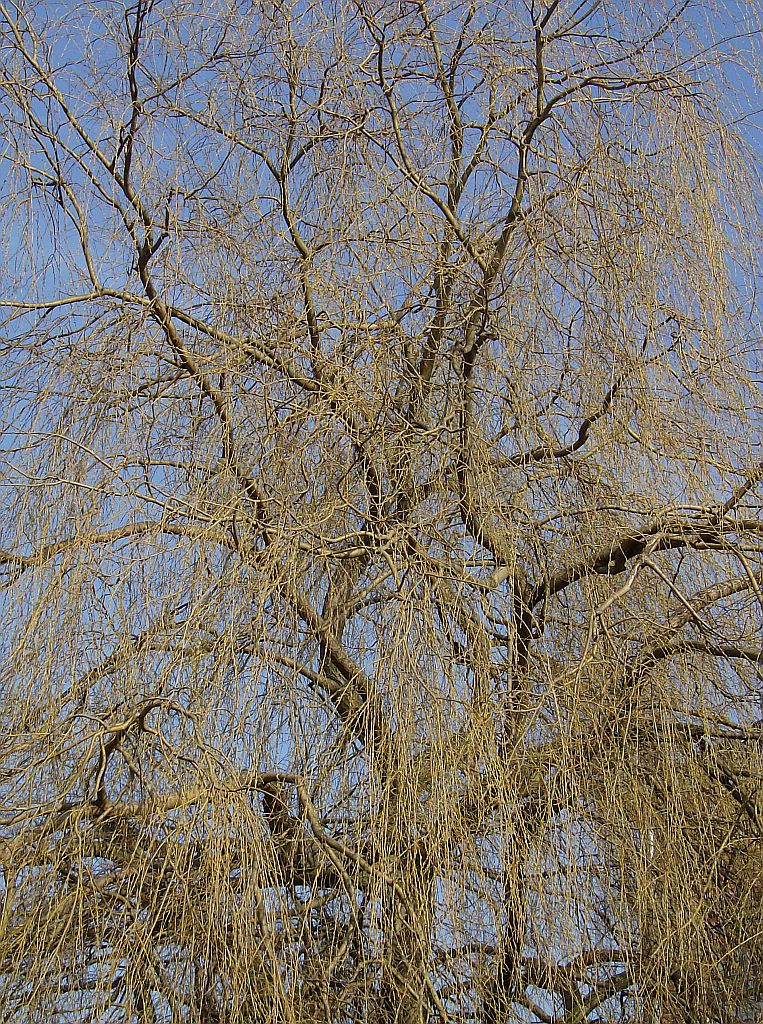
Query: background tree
381 517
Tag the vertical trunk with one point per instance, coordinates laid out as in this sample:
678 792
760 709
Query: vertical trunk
408 918
506 983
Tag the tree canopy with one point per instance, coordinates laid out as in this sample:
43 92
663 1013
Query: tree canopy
381 529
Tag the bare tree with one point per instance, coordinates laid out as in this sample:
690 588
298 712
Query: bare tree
381 526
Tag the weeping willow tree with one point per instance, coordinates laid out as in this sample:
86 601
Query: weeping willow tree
381 514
